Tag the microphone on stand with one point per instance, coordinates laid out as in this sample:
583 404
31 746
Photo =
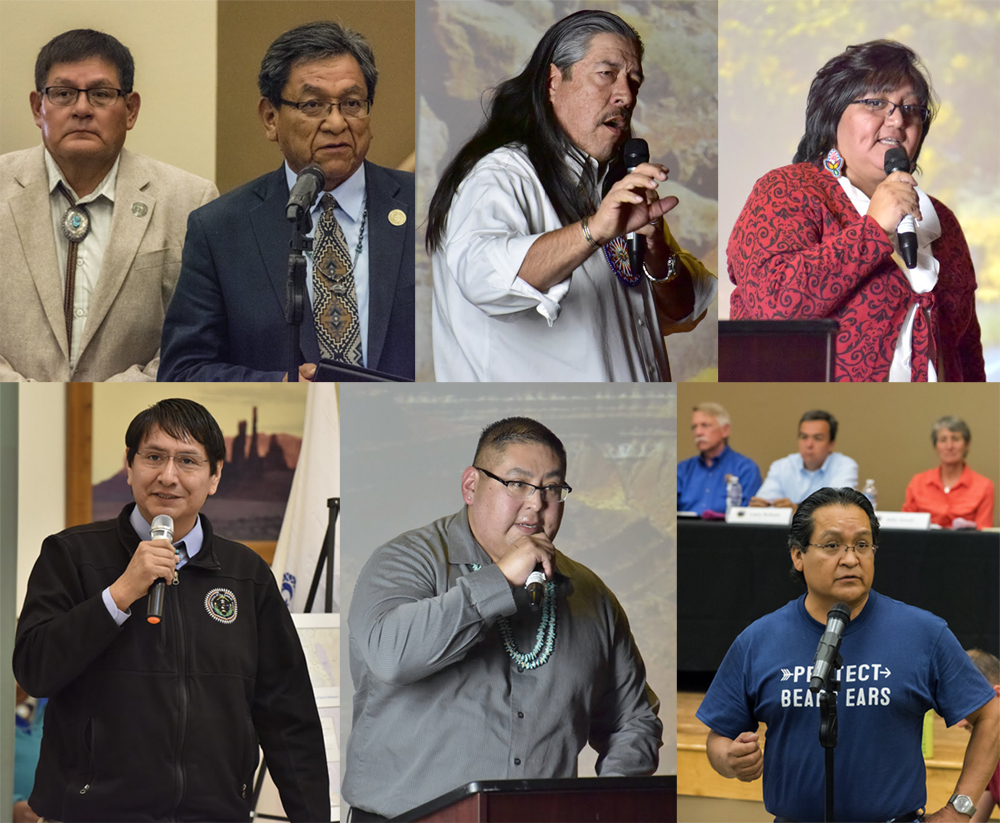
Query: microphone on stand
829 645
535 586
636 152
311 180
906 232
162 529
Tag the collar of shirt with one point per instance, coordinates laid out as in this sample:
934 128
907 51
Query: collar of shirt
963 480
192 540
589 172
801 465
350 196
105 189
716 459
463 548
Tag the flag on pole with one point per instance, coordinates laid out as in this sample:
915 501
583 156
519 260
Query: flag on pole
317 478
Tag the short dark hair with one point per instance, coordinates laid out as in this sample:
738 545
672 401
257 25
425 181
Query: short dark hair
988 664
819 414
181 419
800 533
875 67
497 436
82 44
952 424
309 42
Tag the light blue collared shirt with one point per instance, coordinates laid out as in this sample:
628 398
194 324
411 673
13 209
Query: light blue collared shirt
350 208
788 477
192 541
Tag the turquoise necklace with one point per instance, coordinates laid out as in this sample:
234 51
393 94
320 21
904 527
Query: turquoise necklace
546 638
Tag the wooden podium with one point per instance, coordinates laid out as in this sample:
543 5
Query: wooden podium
566 800
772 351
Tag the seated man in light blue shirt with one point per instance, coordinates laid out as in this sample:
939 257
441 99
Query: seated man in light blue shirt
701 480
792 479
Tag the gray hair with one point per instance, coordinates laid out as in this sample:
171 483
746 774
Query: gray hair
575 39
952 424
714 410
309 42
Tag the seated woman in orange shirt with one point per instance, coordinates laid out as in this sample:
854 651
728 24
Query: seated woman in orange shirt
952 491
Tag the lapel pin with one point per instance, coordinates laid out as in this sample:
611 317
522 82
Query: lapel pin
139 209
397 217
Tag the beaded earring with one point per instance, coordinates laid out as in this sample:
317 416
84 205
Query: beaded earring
834 163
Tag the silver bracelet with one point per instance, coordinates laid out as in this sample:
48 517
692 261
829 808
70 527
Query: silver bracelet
586 233
672 271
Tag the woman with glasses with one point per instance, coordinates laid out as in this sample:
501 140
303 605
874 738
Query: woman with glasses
955 496
819 239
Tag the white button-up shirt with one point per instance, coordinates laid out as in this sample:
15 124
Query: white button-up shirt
490 325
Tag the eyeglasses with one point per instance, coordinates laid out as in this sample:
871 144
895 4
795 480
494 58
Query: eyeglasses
65 96
520 490
911 113
350 109
862 548
187 463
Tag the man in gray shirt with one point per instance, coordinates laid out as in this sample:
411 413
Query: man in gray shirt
458 678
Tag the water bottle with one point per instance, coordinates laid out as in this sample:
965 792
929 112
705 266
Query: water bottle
734 492
871 493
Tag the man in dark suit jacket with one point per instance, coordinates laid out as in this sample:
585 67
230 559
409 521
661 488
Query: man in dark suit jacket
226 320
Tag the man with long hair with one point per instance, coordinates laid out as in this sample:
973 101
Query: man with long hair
522 240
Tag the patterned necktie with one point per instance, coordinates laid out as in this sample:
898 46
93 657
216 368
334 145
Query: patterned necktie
335 301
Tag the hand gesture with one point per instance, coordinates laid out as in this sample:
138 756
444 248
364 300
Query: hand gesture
629 207
745 757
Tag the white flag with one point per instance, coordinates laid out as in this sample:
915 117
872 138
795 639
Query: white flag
317 479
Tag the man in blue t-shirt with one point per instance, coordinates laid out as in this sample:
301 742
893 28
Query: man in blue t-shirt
899 661
701 480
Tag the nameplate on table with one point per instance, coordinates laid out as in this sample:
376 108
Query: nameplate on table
904 520
768 516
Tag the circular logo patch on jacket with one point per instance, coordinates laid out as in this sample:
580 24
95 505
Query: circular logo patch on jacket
221 605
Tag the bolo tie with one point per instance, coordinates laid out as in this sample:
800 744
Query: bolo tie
75 227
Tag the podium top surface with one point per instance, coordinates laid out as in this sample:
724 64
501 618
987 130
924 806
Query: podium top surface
790 327
574 785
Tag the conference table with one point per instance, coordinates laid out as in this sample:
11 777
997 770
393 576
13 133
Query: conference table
729 575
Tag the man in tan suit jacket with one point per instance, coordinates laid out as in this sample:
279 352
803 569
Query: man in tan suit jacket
82 182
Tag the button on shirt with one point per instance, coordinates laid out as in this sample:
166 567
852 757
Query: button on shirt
90 253
701 487
350 196
438 702
788 477
189 546
489 324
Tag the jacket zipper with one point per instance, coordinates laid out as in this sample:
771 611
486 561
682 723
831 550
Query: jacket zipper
182 688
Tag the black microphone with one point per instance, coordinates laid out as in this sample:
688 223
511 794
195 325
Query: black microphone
162 529
636 152
906 232
535 586
303 195
829 645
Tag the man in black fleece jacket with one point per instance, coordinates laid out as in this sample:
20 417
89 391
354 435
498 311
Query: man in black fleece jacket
161 721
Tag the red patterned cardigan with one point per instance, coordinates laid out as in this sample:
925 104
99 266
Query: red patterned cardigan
801 251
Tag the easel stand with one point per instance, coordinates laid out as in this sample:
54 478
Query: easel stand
325 558
295 289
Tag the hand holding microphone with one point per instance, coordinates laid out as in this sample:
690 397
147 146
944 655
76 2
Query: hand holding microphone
895 204
525 555
153 561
